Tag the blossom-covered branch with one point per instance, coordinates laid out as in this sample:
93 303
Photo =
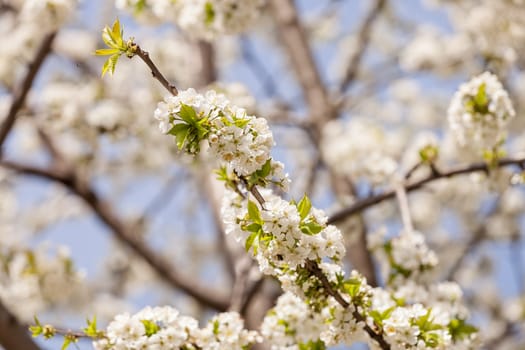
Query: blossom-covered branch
433 176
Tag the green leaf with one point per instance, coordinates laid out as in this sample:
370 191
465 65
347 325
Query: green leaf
311 345
113 59
139 6
254 213
116 33
181 137
180 131
266 168
459 329
106 52
311 228
187 113
250 240
304 207
216 327
150 327
209 13
37 329
91 329
255 227
68 339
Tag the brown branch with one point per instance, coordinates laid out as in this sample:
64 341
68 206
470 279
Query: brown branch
435 175
20 93
144 56
320 107
296 44
363 39
317 272
124 233
14 335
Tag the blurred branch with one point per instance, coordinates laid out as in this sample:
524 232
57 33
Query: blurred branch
14 335
433 176
21 91
404 207
296 44
123 232
363 40
209 71
321 110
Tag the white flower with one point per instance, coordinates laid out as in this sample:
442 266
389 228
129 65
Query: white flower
479 112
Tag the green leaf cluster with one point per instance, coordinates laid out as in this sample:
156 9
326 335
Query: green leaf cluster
209 12
427 328
91 329
47 331
313 345
68 340
191 129
478 103
150 327
253 223
429 154
379 317
260 177
112 37
308 224
459 329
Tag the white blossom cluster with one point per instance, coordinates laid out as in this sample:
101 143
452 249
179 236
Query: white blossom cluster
291 322
480 111
32 280
494 27
292 242
283 243
48 15
360 149
239 141
423 317
403 257
199 18
164 328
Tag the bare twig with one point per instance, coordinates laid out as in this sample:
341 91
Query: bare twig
144 55
404 207
363 39
20 93
435 175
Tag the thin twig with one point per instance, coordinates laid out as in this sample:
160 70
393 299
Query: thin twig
314 268
404 206
155 72
21 92
436 175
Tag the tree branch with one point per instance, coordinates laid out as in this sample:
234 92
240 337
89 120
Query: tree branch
20 93
155 72
296 44
124 233
434 175
320 107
